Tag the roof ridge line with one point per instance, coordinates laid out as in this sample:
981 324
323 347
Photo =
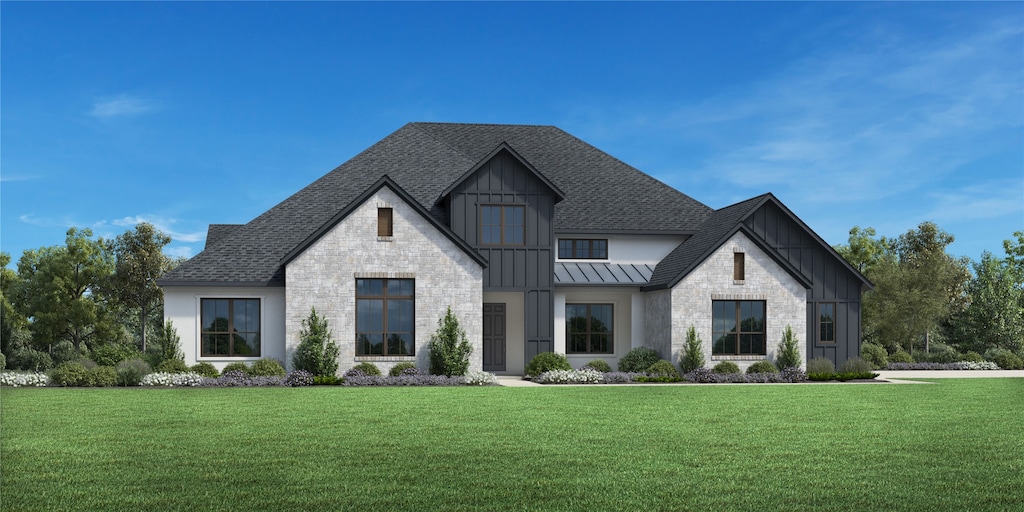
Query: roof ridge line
444 142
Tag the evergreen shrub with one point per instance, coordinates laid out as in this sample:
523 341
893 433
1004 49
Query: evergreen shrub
131 371
64 352
102 377
71 373
171 366
365 368
205 369
693 355
449 348
788 351
30 359
638 360
267 367
765 366
726 367
317 352
236 366
875 355
546 362
112 353
403 368
901 356
600 365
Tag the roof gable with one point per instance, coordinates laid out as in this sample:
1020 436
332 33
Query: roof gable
503 148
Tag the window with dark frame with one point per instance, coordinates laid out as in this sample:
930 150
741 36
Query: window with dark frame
738 327
827 322
385 222
588 328
502 225
582 249
230 327
739 271
385 317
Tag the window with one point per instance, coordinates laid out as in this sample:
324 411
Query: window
738 327
588 328
827 322
578 249
385 319
502 225
230 327
739 272
385 224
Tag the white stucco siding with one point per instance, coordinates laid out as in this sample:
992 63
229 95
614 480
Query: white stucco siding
785 300
621 299
324 275
182 306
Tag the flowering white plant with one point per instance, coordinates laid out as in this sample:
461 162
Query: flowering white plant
18 379
172 379
582 376
475 378
985 365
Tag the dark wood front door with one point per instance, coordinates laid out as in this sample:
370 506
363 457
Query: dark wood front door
494 337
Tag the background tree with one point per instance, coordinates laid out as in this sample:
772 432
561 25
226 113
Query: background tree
994 316
138 262
865 252
11 321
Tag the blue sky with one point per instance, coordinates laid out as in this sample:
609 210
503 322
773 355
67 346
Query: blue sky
186 114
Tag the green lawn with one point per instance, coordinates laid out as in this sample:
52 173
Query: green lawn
953 445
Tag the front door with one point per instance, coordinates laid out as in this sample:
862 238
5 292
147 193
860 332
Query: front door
494 337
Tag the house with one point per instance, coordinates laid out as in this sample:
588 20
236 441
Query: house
538 242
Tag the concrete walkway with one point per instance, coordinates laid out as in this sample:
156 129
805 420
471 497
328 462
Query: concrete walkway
896 377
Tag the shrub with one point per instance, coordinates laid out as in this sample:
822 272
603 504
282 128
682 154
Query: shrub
939 353
875 355
131 371
855 365
1009 361
638 360
298 378
820 365
973 357
788 353
326 380
64 352
399 368
449 348
236 366
235 378
204 369
475 378
17 379
405 380
726 367
168 344
317 352
663 368
901 357
267 367
765 366
693 356
113 353
172 366
3 361
600 365
30 359
102 377
365 368
546 362
172 380
792 374
71 373
704 375
581 376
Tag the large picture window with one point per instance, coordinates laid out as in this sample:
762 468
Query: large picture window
738 327
827 322
385 317
230 327
588 328
582 249
502 225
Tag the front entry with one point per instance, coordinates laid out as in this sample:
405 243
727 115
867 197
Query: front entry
494 337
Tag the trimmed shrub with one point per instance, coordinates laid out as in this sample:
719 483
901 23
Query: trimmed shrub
1008 361
267 367
30 359
71 373
598 364
638 360
131 371
3 361
64 352
365 368
725 367
236 366
113 353
171 366
205 369
938 353
875 355
102 377
765 366
581 376
449 348
788 353
168 344
820 365
399 368
546 362
855 365
298 378
663 368
326 380
693 356
973 357
901 357
317 352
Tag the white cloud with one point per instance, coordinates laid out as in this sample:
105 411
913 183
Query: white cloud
121 106
161 224
8 177
183 251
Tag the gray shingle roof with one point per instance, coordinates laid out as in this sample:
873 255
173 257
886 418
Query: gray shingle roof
602 194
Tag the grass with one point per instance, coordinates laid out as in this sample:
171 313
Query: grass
953 445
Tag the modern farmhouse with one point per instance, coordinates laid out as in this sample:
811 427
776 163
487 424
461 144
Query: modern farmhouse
538 242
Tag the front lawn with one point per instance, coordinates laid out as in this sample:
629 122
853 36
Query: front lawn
953 445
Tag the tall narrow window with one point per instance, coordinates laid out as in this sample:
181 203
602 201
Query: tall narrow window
385 317
502 225
385 222
827 322
230 327
738 327
739 271
588 328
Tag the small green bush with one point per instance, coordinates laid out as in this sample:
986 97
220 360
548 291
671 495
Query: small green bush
938 353
855 365
788 353
638 360
1008 361
30 359
545 362
820 365
367 368
236 366
726 367
102 377
327 380
3 361
131 371
64 352
113 353
172 366
397 369
267 367
973 357
693 355
875 355
901 357
71 373
204 369
663 368
600 365
765 366
449 348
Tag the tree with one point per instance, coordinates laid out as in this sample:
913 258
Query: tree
864 252
11 320
693 358
449 348
994 316
788 353
169 343
317 352
138 262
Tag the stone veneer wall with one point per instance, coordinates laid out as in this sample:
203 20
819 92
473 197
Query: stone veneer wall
324 277
658 327
785 300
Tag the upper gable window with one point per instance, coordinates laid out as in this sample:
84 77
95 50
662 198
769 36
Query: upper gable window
502 225
580 249
739 271
385 222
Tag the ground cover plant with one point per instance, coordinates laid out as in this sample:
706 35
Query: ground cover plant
560 448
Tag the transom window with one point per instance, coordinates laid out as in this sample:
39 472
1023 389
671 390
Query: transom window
827 322
738 327
588 328
230 327
385 317
582 249
502 225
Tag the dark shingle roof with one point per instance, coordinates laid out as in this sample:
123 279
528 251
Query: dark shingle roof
216 232
602 194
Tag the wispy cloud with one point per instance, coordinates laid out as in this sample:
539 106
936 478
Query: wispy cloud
47 222
121 106
12 177
162 224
